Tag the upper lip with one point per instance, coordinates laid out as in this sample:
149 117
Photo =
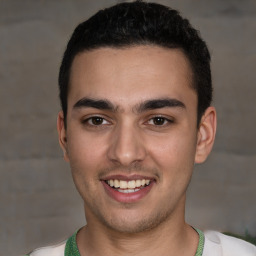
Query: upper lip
126 177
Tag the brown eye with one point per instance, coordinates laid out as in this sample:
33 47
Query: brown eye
159 120
97 120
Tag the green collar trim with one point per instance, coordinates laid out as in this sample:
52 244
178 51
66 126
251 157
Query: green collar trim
71 248
200 246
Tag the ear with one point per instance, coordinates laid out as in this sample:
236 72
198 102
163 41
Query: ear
62 135
206 135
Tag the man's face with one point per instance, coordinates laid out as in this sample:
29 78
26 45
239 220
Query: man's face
131 123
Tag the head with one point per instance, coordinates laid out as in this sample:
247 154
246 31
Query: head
135 88
140 23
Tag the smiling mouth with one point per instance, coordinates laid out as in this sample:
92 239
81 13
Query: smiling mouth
130 186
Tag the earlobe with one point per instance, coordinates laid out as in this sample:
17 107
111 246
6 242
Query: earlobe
206 135
62 135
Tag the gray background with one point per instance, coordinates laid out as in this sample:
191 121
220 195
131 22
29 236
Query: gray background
38 201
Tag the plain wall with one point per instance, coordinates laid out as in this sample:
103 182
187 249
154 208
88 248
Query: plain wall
38 201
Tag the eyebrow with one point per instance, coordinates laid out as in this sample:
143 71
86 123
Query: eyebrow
159 103
104 104
101 104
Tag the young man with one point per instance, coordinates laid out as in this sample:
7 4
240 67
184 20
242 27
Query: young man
135 89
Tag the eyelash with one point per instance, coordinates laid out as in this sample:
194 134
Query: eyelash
88 121
167 121
152 121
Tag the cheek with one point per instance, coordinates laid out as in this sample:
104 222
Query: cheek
175 161
174 156
86 157
173 151
85 151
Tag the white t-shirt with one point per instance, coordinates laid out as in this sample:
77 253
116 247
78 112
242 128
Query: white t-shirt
215 244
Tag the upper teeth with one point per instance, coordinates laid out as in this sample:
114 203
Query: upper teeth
127 184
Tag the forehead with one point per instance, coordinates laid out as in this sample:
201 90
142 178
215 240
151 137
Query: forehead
130 74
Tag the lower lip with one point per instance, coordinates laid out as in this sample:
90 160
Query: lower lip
127 197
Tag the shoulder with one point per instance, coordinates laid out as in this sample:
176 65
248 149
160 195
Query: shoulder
217 243
55 250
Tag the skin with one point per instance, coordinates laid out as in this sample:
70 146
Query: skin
130 139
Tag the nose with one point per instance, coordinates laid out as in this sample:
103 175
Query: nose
126 145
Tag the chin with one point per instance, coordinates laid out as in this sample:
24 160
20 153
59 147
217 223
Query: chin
135 224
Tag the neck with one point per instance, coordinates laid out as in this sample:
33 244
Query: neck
172 237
